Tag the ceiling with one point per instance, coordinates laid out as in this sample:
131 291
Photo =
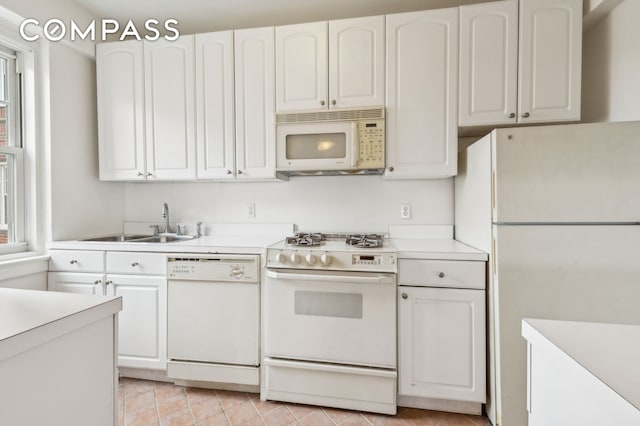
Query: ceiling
196 16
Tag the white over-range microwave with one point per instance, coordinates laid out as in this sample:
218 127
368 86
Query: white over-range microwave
331 142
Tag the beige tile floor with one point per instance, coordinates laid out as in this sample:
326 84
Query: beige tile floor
144 402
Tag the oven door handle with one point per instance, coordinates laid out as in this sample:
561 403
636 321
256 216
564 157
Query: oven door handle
355 279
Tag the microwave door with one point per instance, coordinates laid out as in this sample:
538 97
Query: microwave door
317 146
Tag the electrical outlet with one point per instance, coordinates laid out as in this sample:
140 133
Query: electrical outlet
405 211
251 210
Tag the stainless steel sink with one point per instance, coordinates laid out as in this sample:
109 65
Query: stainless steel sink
163 239
116 238
169 238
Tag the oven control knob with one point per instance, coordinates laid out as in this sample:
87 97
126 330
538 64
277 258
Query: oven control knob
325 259
295 259
281 258
310 259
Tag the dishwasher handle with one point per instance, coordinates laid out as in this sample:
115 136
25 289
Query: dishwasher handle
368 278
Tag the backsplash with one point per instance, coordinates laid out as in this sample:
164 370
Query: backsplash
341 203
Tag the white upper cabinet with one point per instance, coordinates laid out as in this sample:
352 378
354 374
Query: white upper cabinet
356 62
301 66
120 95
488 63
215 105
338 64
535 81
170 109
550 60
255 103
421 101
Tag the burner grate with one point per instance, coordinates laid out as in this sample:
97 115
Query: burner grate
305 239
364 240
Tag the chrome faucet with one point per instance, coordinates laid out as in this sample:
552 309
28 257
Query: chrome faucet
165 216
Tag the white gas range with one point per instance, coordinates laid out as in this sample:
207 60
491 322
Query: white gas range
329 310
334 252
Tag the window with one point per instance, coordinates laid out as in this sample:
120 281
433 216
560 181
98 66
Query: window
12 235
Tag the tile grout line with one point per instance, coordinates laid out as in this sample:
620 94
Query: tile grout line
258 411
193 418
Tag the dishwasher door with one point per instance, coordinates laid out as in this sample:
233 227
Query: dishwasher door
213 321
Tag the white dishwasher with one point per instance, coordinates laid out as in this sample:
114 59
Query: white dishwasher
213 316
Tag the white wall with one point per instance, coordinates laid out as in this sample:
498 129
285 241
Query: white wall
66 10
611 66
340 203
80 204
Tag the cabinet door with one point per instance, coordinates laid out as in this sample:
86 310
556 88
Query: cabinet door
441 343
72 282
255 115
142 323
550 60
356 62
214 105
170 109
421 72
488 63
301 67
120 96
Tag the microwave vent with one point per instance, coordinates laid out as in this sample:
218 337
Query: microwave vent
331 115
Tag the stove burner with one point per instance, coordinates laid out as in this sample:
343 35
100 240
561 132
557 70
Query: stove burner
305 239
364 240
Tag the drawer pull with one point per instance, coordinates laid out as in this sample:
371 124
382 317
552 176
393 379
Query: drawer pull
108 282
96 282
135 264
73 261
405 295
441 274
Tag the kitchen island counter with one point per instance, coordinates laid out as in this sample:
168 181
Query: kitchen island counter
57 341
582 372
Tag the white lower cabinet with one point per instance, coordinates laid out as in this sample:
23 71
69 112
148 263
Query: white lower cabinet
140 279
74 282
441 343
142 321
441 330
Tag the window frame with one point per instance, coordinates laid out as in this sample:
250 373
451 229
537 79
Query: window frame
16 207
31 64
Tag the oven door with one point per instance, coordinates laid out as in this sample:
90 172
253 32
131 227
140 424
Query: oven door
329 316
317 146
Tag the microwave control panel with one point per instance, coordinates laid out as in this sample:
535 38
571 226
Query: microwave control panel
371 135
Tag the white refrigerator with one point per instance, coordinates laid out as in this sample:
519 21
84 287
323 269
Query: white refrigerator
558 210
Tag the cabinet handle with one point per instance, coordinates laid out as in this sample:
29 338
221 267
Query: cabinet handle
134 264
405 295
239 172
391 168
322 102
149 174
140 174
512 115
525 115
108 282
96 282
333 102
229 172
441 274
73 261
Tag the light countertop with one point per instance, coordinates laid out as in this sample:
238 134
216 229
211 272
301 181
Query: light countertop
436 249
31 317
608 351
207 244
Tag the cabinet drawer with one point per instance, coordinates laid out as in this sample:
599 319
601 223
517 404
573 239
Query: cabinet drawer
76 261
441 273
136 263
